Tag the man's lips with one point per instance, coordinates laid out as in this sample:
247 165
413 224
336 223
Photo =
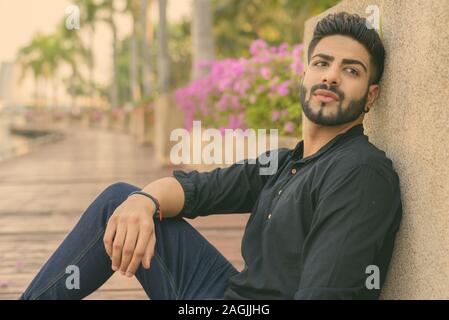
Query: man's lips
325 95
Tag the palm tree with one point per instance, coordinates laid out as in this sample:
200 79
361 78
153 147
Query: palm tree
74 55
102 11
89 17
203 44
30 62
42 57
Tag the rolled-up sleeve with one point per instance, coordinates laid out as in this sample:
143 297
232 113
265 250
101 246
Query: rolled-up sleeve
354 225
234 189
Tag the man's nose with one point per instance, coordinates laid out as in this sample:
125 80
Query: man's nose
331 77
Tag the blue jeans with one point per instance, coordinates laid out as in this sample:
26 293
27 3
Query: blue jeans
184 266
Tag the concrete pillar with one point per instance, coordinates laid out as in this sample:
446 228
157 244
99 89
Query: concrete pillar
410 122
167 117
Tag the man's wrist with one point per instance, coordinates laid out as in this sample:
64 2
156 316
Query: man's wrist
154 204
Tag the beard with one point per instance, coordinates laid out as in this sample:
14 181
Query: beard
343 115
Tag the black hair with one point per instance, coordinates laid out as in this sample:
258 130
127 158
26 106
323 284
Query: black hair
354 26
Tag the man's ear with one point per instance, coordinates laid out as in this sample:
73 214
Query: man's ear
373 93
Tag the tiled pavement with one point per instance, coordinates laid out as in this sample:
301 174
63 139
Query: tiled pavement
43 194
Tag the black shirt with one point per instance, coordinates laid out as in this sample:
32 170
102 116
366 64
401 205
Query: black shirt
316 225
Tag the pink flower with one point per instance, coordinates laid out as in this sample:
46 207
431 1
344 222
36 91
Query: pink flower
235 103
289 126
297 50
223 102
265 73
283 89
4 283
236 121
297 67
234 84
275 115
262 59
283 49
258 46
242 86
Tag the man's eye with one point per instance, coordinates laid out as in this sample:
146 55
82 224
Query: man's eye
320 63
353 71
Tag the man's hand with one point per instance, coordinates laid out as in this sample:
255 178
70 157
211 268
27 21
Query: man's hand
129 238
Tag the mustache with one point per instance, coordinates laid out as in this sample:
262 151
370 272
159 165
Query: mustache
325 86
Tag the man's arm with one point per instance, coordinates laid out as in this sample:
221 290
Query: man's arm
169 193
223 190
354 225
129 236
234 189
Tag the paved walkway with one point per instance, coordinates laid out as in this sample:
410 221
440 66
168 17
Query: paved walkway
43 194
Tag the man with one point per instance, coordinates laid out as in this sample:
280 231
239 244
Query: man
321 227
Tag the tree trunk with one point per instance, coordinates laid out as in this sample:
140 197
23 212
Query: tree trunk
163 56
91 66
134 75
114 85
145 5
72 93
202 37
54 88
36 91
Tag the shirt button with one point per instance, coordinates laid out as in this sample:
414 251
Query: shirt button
293 171
280 191
269 216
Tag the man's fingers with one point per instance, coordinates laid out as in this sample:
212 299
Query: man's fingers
129 246
117 245
139 252
149 251
108 237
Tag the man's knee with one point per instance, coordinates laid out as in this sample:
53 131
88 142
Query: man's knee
118 191
111 197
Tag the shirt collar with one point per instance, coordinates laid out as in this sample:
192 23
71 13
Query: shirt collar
299 149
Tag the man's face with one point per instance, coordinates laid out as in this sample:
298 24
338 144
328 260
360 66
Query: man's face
335 88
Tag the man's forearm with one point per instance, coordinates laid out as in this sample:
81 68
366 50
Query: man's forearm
170 194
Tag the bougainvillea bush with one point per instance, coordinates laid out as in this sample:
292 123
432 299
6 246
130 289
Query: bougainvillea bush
256 92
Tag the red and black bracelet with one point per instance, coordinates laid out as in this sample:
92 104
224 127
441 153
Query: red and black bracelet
156 202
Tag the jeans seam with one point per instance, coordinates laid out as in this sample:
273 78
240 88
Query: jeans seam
168 274
75 261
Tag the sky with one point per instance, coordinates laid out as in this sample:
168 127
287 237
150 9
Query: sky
21 19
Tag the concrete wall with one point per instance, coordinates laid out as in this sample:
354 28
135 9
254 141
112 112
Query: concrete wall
410 122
